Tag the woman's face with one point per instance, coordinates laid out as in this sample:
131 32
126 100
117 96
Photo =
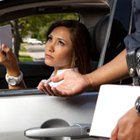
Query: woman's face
58 49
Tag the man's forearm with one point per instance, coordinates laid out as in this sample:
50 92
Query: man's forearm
110 72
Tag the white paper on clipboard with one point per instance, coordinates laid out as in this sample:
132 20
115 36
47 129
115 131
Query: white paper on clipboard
6 35
112 103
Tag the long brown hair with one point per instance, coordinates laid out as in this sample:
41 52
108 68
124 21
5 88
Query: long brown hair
80 39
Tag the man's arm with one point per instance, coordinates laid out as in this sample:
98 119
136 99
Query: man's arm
75 83
110 72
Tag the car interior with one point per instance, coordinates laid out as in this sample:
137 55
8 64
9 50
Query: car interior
97 15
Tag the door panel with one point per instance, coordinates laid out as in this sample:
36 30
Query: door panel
20 112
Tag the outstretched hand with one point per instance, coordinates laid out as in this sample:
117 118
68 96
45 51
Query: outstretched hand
74 83
128 127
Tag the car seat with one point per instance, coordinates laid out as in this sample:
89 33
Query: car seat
115 44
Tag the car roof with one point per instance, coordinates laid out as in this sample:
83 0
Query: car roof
12 9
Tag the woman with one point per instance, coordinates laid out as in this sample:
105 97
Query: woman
67 48
68 43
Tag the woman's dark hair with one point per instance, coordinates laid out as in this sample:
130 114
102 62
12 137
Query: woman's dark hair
80 39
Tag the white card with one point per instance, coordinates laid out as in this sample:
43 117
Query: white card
6 35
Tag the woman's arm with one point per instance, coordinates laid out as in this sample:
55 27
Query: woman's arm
9 60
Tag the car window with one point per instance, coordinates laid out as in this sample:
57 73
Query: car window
31 33
28 39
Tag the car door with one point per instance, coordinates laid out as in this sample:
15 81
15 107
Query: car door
28 114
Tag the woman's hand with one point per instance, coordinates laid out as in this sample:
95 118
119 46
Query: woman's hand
44 87
128 127
9 60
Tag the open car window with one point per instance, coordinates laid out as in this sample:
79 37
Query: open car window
32 19
31 34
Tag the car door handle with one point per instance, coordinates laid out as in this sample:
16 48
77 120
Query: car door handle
75 130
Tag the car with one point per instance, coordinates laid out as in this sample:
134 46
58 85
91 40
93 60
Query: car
28 114
34 41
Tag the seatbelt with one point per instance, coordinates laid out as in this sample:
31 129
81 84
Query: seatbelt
103 52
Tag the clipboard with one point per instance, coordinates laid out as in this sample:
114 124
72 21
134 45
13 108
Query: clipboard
112 103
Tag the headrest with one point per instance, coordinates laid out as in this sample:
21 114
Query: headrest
98 34
97 37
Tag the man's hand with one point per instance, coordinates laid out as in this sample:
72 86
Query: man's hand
128 127
74 83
